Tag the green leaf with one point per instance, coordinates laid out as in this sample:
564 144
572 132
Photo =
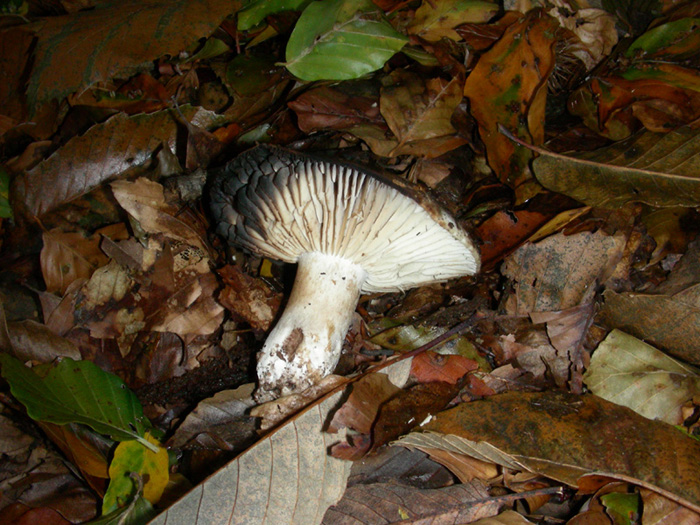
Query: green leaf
624 508
256 11
679 38
131 460
138 512
5 208
341 40
78 392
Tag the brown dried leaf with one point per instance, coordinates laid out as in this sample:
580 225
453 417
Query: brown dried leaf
419 114
646 315
508 86
362 406
330 108
145 202
249 298
383 503
106 151
67 256
593 436
71 54
560 271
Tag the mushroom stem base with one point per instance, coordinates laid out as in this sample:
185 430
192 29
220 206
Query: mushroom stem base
305 345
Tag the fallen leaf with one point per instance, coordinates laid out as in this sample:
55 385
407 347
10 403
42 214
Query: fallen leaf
419 113
71 54
646 315
567 437
435 21
560 271
657 169
67 256
629 372
385 502
328 107
285 477
508 86
81 164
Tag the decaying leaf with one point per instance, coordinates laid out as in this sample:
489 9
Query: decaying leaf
71 53
385 502
657 169
567 438
435 21
559 272
508 86
629 372
81 164
646 315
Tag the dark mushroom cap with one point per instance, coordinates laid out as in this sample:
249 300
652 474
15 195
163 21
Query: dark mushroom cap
281 204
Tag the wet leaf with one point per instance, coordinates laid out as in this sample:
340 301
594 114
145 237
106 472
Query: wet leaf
286 476
434 21
131 460
5 208
629 372
71 54
78 392
81 164
340 40
679 39
249 298
508 86
569 438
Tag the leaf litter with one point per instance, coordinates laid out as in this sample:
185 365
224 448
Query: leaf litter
562 137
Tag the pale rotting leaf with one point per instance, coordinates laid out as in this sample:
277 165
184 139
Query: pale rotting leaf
657 169
341 40
564 437
629 372
71 54
81 165
286 477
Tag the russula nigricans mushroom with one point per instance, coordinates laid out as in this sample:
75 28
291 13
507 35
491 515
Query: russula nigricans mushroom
350 231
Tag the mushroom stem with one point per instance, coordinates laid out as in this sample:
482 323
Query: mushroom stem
305 345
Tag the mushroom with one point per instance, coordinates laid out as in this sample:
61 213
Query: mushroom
349 230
